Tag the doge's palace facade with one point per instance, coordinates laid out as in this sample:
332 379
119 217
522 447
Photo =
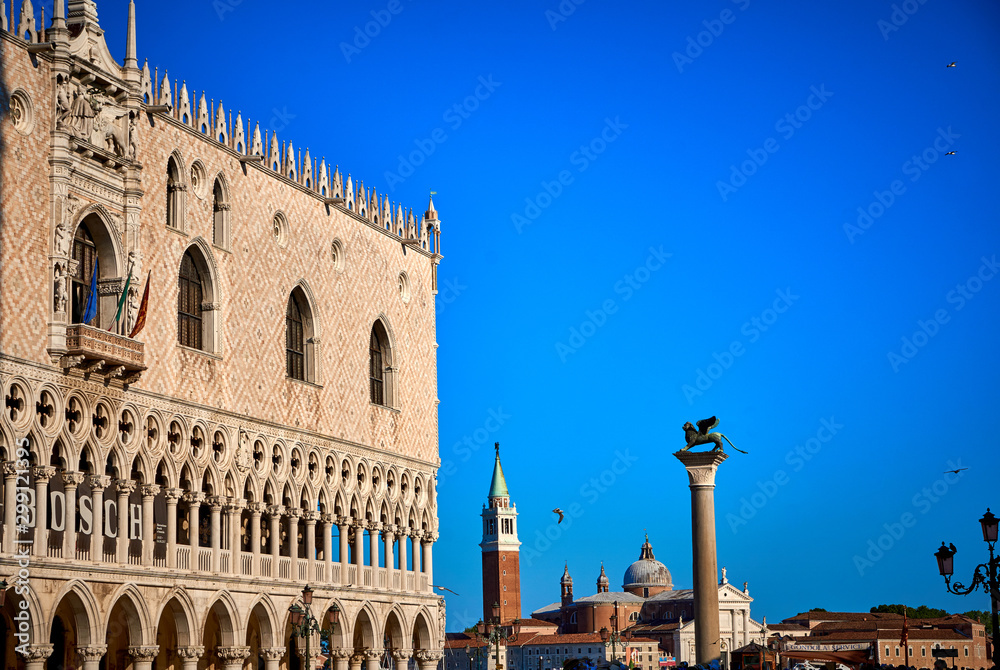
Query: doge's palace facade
168 491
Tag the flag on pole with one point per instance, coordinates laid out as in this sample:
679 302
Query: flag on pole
90 311
140 319
122 299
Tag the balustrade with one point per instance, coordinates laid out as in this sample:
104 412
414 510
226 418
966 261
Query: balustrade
183 558
284 567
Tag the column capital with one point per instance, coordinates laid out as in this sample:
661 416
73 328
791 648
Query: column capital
257 507
293 512
44 473
173 495
236 505
310 516
431 536
145 652
272 653
92 653
374 526
327 518
38 652
402 654
72 479
372 654
275 510
342 653
428 656
9 469
150 490
194 498
216 502
701 466
359 524
125 486
389 528
343 520
99 482
192 653
231 654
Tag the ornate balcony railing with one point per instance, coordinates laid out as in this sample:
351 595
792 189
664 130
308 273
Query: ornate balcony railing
106 353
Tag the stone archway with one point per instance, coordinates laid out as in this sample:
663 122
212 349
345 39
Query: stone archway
124 635
174 636
219 638
72 632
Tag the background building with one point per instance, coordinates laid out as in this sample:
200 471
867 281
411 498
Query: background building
273 424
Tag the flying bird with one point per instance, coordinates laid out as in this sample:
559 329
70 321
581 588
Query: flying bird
949 153
560 513
951 64
443 588
954 471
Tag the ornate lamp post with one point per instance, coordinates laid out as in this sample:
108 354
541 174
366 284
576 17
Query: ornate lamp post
613 638
304 624
494 632
985 574
477 654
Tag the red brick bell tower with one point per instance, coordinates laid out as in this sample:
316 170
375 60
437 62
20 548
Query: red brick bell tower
501 568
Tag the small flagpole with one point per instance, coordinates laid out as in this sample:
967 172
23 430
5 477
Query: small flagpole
118 310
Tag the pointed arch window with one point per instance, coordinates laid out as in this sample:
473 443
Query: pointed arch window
175 196
301 340
189 304
295 346
381 373
220 215
87 263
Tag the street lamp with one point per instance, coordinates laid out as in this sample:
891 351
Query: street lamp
304 624
612 638
493 632
477 654
985 574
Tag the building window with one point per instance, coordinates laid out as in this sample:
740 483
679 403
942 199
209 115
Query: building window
381 371
220 215
897 652
85 255
923 651
295 346
189 301
175 196
966 651
887 651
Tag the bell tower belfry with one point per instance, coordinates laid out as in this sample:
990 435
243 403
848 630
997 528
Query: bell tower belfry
501 568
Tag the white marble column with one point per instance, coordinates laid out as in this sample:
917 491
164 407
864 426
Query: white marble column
37 655
272 657
309 516
342 529
274 512
144 656
429 540
9 506
91 655
401 658
42 476
71 480
372 657
415 555
172 496
149 492
97 485
428 660
293 542
359 546
124 488
232 657
256 511
235 512
190 656
215 507
327 520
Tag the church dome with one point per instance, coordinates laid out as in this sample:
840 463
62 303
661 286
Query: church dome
647 573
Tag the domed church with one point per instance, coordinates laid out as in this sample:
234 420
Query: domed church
648 606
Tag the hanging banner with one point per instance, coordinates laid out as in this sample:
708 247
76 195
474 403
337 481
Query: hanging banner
84 516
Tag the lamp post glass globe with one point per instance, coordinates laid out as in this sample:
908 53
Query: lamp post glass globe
989 524
481 627
496 610
296 614
307 595
333 615
604 634
945 560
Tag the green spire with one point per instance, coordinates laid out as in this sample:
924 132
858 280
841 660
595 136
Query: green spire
498 487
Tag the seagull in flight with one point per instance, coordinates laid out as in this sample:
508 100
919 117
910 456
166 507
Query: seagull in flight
951 64
443 588
949 153
560 513
954 471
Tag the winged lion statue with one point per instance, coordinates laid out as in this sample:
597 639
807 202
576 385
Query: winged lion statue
701 435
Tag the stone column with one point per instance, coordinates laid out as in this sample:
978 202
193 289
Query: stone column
215 506
390 540
235 512
415 536
232 657
701 467
91 655
42 476
373 531
124 487
293 542
314 650
274 512
194 500
9 506
342 529
746 626
272 657
372 657
327 520
256 510
172 496
359 546
401 658
356 660
71 480
428 660
190 656
309 516
341 659
144 656
429 540
97 485
149 491
37 655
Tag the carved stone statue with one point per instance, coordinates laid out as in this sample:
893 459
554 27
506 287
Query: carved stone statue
64 103
81 113
59 297
703 436
62 238
107 129
132 149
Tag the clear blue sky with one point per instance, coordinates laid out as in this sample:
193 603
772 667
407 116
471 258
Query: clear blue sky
650 133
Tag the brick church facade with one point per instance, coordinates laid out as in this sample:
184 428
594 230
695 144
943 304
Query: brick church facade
168 492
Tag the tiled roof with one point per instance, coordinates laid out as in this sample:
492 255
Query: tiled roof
575 638
677 594
611 597
844 616
554 607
